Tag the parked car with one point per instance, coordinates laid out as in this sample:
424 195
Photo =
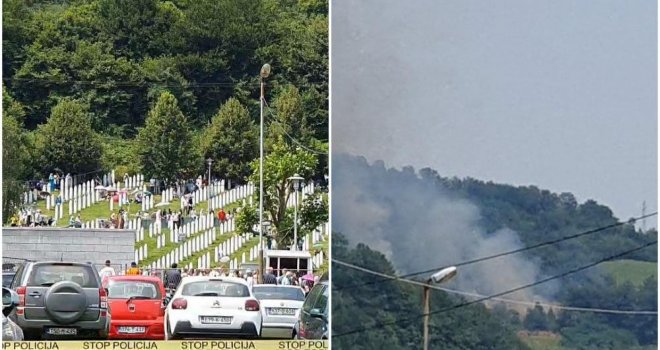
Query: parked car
280 309
10 330
60 300
205 306
313 320
137 306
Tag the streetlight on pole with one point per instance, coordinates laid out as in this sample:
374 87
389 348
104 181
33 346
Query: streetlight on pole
296 180
263 74
209 161
441 276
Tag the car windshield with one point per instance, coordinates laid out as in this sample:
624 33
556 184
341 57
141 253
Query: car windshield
7 279
47 275
133 289
215 288
278 293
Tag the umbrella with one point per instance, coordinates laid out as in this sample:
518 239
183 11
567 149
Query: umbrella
163 204
99 187
111 189
308 277
44 193
136 191
147 193
224 259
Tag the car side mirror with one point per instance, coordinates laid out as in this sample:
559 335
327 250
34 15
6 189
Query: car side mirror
317 313
9 301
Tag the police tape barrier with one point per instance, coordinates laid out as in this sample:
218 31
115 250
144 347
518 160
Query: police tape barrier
167 345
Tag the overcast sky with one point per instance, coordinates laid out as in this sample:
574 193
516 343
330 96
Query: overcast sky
560 94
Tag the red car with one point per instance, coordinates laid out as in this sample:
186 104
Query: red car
136 305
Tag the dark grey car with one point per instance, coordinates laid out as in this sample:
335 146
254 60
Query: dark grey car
313 321
60 300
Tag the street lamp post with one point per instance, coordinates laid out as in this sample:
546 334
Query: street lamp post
438 277
296 180
209 161
263 74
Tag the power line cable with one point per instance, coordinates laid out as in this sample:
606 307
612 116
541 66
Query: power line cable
489 257
458 306
508 301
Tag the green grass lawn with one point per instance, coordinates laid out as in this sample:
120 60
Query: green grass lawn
101 210
541 340
631 270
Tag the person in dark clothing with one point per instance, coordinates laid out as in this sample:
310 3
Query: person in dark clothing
173 278
269 277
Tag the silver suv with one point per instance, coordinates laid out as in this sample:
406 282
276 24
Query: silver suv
60 300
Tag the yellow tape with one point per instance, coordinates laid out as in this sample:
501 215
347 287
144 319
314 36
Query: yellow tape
167 345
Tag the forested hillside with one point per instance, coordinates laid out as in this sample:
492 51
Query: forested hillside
422 220
103 65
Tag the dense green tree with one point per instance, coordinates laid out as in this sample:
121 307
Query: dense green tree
280 164
164 145
15 156
231 140
67 141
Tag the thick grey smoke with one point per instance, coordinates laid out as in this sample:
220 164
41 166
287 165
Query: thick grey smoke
419 227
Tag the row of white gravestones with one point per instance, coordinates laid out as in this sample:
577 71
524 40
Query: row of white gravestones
133 224
200 224
59 212
147 203
109 179
167 195
156 228
204 261
141 253
160 241
200 243
135 181
306 191
231 196
30 197
77 204
318 259
217 187
220 198
233 264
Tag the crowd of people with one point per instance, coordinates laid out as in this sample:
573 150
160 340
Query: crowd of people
30 217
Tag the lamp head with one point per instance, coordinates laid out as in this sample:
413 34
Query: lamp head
444 275
265 71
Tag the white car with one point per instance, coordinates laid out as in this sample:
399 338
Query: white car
206 307
280 308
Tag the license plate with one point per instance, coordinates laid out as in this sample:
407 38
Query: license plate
62 331
132 330
282 311
215 319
